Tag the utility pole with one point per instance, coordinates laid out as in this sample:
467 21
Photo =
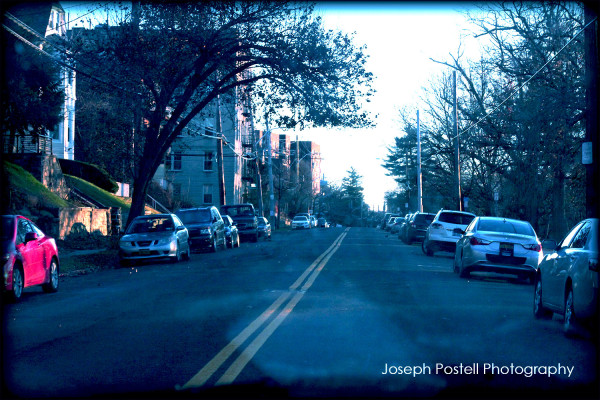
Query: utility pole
456 146
255 147
419 177
221 171
270 169
591 148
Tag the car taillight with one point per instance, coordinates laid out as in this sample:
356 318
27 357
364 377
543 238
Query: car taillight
534 247
593 263
477 241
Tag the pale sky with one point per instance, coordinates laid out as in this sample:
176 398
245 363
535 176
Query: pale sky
401 38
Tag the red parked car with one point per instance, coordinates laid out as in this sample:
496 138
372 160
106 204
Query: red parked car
29 257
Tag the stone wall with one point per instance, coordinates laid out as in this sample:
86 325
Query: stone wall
78 222
44 168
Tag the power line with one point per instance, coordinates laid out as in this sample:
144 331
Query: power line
525 83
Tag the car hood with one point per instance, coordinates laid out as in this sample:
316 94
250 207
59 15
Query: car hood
198 225
147 236
244 218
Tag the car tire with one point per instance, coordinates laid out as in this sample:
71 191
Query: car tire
188 253
215 246
538 309
52 286
177 256
569 314
237 241
462 271
18 282
426 249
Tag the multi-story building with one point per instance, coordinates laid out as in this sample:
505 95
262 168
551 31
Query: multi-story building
306 163
33 21
190 169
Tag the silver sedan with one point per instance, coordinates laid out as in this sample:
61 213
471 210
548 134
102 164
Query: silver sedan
498 245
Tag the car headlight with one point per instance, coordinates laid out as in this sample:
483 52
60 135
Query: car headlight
126 244
205 231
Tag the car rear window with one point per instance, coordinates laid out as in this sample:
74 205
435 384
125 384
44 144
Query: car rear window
424 218
505 226
455 218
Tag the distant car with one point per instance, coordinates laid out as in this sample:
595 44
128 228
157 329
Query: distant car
205 226
300 222
29 257
264 228
152 237
313 221
499 245
415 228
395 224
232 236
245 219
322 223
390 221
566 281
441 234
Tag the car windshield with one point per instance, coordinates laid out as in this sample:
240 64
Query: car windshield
194 216
505 226
150 225
300 219
456 218
237 211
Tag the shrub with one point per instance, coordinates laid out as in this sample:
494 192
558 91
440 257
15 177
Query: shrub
89 172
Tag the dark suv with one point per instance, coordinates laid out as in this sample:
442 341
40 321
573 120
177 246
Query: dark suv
245 218
416 227
205 226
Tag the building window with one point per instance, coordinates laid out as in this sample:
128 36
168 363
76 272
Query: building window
173 161
208 160
207 194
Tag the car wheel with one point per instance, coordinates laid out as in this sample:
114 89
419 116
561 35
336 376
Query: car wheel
237 241
18 282
52 286
569 315
177 256
538 309
426 249
215 246
462 271
188 253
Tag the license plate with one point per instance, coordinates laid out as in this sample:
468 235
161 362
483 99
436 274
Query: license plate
506 249
144 252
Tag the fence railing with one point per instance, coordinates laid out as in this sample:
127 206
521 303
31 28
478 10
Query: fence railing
31 143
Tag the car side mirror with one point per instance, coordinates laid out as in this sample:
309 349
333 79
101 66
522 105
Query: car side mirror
180 227
549 244
458 231
29 236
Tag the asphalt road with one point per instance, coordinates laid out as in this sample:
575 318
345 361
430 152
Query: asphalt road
323 312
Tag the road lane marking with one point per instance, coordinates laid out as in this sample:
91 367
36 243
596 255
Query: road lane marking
238 365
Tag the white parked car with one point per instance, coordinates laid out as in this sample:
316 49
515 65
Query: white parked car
501 245
441 234
301 222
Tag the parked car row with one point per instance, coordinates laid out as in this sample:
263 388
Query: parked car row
307 221
175 236
565 276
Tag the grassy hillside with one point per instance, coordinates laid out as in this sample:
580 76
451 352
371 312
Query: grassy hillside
29 190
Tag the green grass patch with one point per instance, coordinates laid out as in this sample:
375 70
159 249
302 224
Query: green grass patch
28 185
102 196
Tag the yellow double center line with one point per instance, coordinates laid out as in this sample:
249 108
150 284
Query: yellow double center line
246 355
